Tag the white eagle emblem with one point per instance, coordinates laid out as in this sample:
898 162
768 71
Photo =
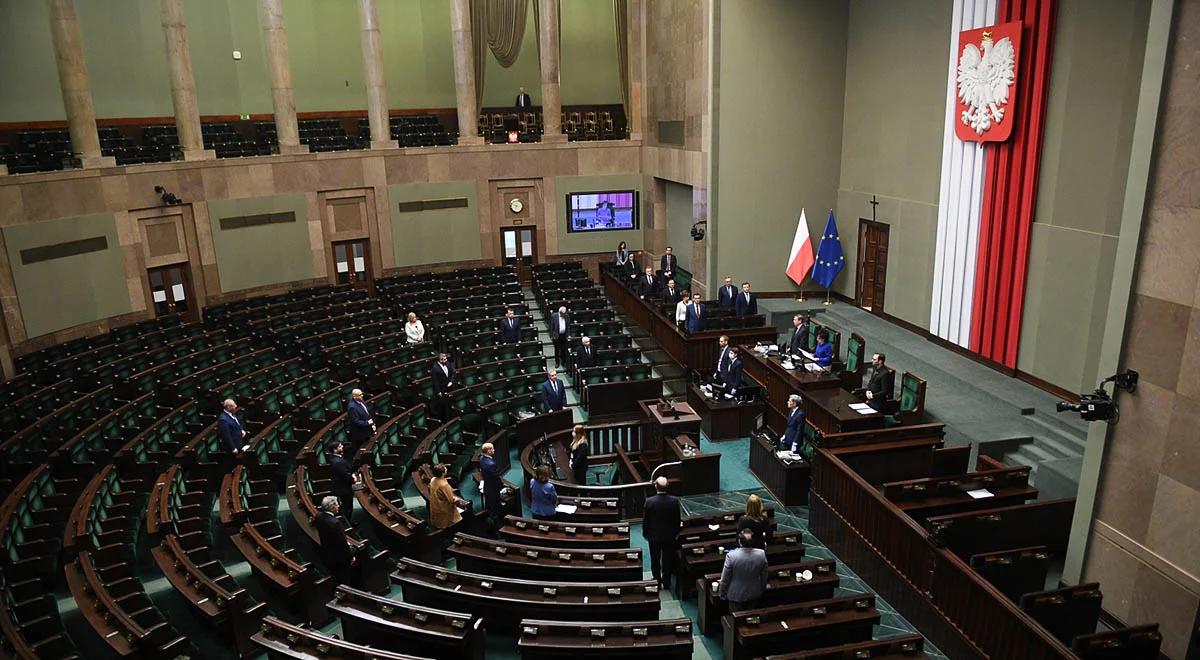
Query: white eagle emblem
983 81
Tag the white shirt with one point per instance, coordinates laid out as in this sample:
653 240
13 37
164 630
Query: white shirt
445 369
681 311
415 332
562 324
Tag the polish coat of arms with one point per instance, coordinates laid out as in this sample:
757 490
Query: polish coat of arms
986 82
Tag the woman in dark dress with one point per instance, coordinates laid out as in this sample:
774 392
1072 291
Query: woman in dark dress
579 454
755 519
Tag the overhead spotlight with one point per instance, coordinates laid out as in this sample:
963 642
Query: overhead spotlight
168 198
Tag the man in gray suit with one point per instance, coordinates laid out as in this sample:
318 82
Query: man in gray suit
744 576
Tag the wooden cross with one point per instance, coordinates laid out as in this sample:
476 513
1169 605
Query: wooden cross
874 203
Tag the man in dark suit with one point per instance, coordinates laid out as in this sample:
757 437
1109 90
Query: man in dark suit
667 263
343 478
335 547
647 284
660 528
670 294
560 327
361 425
723 359
726 294
880 383
799 334
444 379
694 317
229 427
510 328
793 435
554 396
733 375
523 100
492 483
585 355
746 303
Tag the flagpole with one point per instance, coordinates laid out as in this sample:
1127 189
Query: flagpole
828 301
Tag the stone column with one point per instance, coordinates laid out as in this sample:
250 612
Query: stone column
377 105
636 21
464 72
183 83
76 87
279 64
548 52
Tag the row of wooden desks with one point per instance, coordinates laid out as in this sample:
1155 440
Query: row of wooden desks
826 405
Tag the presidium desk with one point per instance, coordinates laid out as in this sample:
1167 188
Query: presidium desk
779 383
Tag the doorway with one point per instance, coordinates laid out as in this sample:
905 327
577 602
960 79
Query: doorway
171 291
518 247
350 263
872 265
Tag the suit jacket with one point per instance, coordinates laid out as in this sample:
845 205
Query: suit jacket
623 259
342 476
585 358
523 101
332 533
743 307
725 296
660 520
733 379
722 363
668 263
670 296
442 381
695 318
797 340
230 430
359 418
881 384
491 476
554 398
647 288
793 435
510 330
554 333
442 509
824 354
744 576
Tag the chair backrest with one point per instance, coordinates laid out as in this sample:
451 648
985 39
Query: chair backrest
912 393
855 353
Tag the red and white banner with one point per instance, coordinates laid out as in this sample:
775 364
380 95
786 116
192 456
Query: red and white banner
800 259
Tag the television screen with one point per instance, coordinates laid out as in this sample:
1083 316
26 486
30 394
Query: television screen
602 211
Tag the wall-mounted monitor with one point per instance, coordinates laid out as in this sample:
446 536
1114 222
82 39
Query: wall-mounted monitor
615 210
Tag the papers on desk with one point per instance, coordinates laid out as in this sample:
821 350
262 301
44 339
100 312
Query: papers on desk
461 510
568 509
814 367
980 493
714 527
862 408
810 356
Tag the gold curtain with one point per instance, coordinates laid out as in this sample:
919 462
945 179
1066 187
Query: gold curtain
621 24
498 26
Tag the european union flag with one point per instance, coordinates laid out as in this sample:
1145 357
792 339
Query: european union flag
829 255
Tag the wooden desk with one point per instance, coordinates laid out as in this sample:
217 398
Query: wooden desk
788 482
829 411
779 383
664 436
533 428
724 420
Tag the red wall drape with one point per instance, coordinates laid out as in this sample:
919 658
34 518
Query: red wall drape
1010 191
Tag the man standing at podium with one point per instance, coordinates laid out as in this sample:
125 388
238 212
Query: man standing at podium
799 334
793 435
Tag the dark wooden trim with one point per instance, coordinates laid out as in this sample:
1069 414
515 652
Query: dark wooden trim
1113 622
1065 395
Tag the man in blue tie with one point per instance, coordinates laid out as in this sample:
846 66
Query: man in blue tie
824 350
229 427
694 315
793 435
554 397
361 426
726 294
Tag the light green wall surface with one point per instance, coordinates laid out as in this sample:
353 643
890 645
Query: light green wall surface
126 57
1090 115
69 291
679 223
431 237
250 257
779 131
602 241
894 154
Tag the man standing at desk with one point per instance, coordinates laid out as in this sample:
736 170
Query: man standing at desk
694 315
670 294
586 355
510 328
560 327
722 361
554 397
523 100
746 303
824 350
726 294
660 527
793 435
799 334
491 483
880 383
667 264
733 375
647 284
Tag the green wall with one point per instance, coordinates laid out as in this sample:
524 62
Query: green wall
605 241
430 237
779 131
250 257
679 223
126 57
896 154
1085 158
68 291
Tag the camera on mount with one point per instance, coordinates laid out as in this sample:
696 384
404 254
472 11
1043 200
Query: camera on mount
1099 406
168 198
698 230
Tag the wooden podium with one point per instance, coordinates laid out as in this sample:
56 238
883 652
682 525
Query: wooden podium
670 436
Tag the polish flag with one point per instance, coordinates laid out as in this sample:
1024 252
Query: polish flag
801 259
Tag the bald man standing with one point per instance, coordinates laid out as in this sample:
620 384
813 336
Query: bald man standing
229 428
359 422
660 527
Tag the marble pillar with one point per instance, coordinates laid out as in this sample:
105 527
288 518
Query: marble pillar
183 83
548 52
636 21
377 104
464 72
76 87
279 65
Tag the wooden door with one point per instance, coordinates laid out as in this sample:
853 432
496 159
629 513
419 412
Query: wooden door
872 265
171 291
518 247
350 262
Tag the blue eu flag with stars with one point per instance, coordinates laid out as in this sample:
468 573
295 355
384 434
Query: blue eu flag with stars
829 255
